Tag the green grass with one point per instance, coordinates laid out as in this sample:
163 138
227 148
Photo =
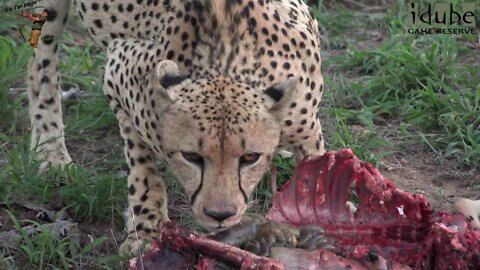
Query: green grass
420 82
80 188
82 191
387 91
13 61
263 193
48 250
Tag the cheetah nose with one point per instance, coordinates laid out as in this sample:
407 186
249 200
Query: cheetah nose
220 215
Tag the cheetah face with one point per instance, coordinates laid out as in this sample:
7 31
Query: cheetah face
218 137
217 168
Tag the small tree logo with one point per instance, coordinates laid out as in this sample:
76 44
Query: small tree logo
441 18
38 21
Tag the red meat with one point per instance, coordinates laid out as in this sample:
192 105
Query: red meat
395 224
390 229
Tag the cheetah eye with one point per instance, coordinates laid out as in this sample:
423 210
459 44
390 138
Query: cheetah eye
249 158
193 158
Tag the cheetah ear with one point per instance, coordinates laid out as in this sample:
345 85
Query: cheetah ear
166 77
280 95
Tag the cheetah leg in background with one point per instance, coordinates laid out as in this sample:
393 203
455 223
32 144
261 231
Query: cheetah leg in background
45 107
313 146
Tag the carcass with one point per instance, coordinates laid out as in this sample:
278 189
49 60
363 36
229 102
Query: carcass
390 228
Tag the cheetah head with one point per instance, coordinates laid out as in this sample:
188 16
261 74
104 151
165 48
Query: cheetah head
218 137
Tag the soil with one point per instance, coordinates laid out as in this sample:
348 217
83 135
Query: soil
442 184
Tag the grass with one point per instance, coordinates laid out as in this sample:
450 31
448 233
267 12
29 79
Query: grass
81 191
46 249
13 60
387 91
420 82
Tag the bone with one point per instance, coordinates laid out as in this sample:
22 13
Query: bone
177 238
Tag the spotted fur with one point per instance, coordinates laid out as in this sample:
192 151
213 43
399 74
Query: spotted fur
213 87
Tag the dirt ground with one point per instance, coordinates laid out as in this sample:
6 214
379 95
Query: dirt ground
441 184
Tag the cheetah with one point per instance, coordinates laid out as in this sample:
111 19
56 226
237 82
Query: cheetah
213 88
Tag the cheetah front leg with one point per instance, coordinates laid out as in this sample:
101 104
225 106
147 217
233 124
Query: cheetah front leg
312 146
45 107
125 78
147 197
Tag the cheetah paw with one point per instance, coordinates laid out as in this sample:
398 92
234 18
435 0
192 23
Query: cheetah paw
272 234
59 160
134 247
